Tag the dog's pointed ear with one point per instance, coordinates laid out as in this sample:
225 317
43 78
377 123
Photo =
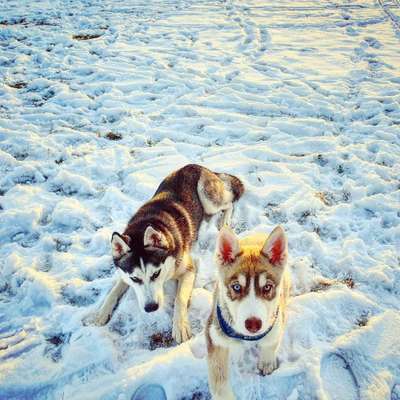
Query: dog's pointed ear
228 246
275 247
154 239
120 245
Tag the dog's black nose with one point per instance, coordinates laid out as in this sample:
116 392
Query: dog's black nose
150 307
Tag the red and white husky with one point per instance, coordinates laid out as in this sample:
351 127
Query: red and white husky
249 303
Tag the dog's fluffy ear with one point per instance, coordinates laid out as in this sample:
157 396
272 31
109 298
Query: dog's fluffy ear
120 245
154 239
275 247
227 246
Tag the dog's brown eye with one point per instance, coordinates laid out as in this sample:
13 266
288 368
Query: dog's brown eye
136 280
267 288
155 275
236 287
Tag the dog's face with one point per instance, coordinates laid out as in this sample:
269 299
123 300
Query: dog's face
250 278
145 269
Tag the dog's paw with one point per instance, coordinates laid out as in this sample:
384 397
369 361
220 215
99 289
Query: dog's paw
266 367
225 394
181 331
95 319
224 397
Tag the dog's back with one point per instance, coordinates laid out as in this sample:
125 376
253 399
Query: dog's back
181 202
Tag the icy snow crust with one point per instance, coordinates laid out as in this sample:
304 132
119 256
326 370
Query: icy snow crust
100 100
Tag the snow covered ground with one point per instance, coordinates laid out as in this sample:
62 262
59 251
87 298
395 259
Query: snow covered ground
100 100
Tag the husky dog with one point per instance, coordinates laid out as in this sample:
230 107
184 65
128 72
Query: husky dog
249 303
157 241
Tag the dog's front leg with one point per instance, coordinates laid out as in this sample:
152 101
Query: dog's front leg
110 303
268 361
181 327
218 373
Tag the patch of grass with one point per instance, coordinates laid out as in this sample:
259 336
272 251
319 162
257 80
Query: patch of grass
275 214
16 21
62 246
55 345
17 85
321 285
321 160
340 169
363 319
298 155
113 136
348 281
59 339
324 283
25 22
330 199
150 142
305 215
86 36
197 395
326 197
161 339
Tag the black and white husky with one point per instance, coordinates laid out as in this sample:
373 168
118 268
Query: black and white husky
158 239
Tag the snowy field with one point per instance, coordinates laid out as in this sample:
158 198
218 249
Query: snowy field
99 100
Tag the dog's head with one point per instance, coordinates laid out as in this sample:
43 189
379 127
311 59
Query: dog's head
250 276
144 263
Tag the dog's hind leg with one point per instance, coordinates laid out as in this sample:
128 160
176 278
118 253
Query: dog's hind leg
226 218
218 192
110 303
181 326
233 185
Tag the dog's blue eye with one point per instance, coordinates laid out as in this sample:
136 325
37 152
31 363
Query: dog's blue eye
236 287
136 280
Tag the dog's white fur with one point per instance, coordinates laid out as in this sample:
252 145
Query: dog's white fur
239 255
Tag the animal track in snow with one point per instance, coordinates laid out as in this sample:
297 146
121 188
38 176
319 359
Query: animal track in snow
338 378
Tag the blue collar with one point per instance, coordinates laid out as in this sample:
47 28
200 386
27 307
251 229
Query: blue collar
229 331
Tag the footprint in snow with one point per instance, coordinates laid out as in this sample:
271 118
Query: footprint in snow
338 378
372 42
15 342
55 345
395 395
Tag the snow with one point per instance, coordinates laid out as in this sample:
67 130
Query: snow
100 100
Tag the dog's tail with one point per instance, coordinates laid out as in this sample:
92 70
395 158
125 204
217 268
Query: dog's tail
234 183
